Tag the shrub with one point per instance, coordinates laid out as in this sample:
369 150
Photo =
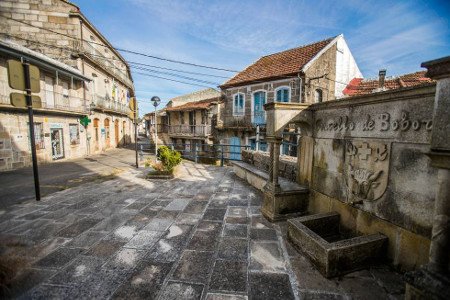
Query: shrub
169 158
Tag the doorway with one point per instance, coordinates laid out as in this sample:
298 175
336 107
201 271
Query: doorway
235 148
116 132
107 137
57 143
259 114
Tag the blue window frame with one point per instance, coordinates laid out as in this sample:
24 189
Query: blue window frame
282 94
238 104
259 115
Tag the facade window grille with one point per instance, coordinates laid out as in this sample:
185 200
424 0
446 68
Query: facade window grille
283 95
318 95
74 134
39 136
238 104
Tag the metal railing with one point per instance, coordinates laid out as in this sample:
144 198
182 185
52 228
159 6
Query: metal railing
162 128
245 121
107 103
190 130
202 152
107 62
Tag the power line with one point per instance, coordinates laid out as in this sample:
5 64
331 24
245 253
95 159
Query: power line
145 74
174 75
126 50
177 75
175 70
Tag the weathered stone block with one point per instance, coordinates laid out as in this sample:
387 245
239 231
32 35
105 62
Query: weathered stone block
332 248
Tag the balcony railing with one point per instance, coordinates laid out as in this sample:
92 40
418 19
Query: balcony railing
162 128
105 103
50 100
107 62
244 121
190 130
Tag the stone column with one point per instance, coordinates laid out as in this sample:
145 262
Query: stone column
274 144
432 280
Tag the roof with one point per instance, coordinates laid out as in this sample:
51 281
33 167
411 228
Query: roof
195 96
40 59
203 104
288 62
360 86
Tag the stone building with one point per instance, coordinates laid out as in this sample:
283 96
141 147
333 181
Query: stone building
313 73
58 30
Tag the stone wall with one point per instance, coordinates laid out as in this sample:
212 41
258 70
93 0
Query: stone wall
369 163
288 165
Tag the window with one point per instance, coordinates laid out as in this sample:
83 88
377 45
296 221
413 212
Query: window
39 136
318 95
74 134
238 104
283 94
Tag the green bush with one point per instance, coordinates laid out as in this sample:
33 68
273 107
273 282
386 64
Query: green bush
168 157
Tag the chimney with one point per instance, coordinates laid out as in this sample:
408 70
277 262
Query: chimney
381 77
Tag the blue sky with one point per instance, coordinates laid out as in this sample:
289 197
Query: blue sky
396 35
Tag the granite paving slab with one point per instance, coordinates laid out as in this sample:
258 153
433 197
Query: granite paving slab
194 266
229 276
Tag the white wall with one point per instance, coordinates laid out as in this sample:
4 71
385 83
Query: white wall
346 67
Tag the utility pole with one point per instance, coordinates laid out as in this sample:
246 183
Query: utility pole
29 101
133 114
156 101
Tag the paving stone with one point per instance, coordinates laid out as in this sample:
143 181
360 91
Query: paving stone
235 230
58 258
214 296
322 295
179 290
254 211
111 222
137 205
177 204
203 241
269 286
189 219
33 215
28 279
194 266
145 282
229 276
168 214
141 219
238 202
105 248
124 233
150 211
144 239
259 222
237 220
78 227
209 226
87 239
266 257
237 211
218 203
202 197
78 271
263 234
233 249
214 214
46 291
125 259
196 207
157 224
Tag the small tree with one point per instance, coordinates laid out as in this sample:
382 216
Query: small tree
169 158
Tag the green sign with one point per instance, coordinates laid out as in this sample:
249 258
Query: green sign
85 121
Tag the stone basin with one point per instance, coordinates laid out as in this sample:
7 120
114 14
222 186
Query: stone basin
333 249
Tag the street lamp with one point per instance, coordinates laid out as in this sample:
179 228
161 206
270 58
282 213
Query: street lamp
156 101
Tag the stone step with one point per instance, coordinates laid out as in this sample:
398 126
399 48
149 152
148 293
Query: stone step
332 248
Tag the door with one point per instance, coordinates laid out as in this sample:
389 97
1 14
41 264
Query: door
259 115
235 149
107 137
57 143
192 121
49 92
124 132
96 134
116 132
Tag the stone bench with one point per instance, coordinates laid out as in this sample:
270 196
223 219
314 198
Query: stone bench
332 249
291 201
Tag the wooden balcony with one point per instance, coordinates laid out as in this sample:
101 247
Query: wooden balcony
190 130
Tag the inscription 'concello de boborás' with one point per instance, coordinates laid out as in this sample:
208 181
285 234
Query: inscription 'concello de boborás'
366 169
381 122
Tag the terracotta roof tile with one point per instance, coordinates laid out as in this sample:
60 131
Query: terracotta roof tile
203 104
360 86
284 63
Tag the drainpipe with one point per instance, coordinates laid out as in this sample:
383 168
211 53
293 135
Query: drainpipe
300 88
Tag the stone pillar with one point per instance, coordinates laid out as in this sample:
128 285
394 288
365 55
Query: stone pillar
432 280
274 144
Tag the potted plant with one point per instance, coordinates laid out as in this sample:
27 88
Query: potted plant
168 159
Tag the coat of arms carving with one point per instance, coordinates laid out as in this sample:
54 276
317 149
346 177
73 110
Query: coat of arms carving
366 170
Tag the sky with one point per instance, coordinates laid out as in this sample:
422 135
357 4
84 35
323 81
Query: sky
232 34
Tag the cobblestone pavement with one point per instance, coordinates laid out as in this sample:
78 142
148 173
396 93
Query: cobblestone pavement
200 236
